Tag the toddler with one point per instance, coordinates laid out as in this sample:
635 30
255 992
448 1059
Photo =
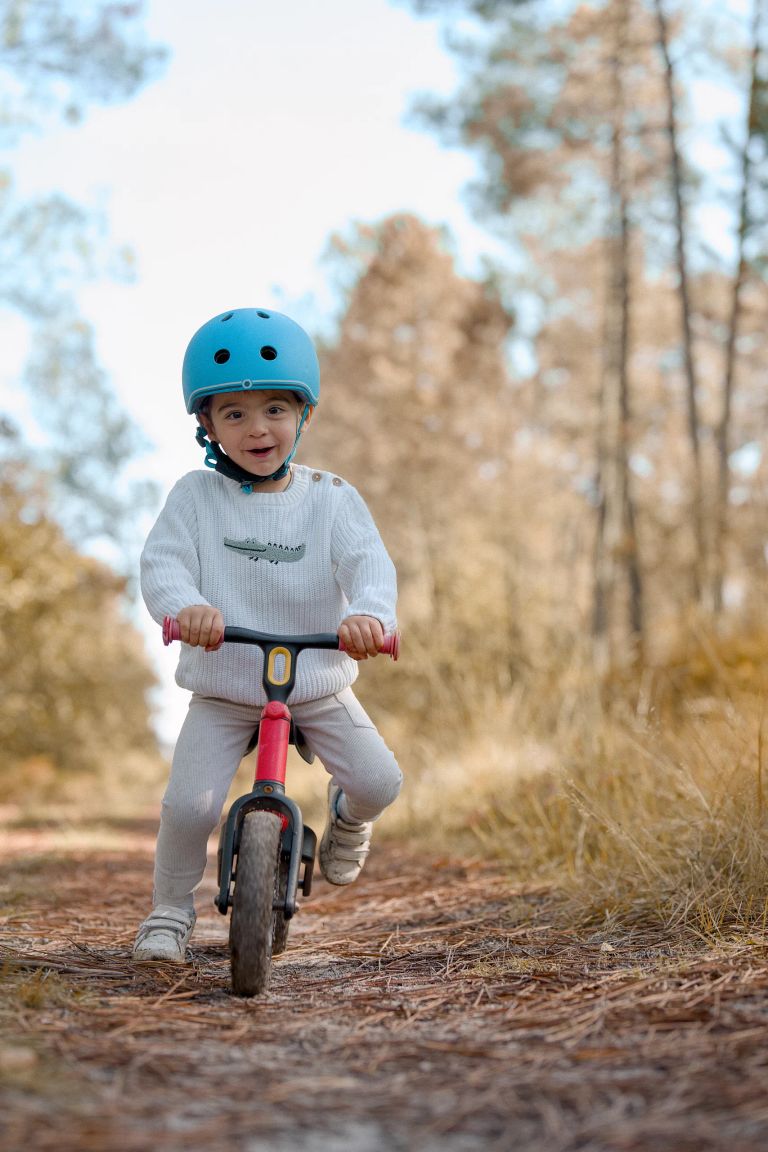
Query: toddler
265 543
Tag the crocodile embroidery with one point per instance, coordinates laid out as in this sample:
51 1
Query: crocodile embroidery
275 553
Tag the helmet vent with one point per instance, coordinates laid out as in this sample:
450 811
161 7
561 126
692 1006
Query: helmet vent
228 316
221 356
264 315
268 352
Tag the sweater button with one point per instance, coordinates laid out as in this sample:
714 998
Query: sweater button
336 481
316 476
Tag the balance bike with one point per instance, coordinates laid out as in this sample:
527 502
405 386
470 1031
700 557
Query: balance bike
266 853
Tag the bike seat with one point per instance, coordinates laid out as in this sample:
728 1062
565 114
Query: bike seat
295 737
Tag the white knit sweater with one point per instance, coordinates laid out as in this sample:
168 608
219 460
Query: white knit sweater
291 562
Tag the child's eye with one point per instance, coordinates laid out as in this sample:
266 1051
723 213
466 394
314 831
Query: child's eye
233 415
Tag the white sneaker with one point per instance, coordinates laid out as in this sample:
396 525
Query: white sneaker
344 846
164 935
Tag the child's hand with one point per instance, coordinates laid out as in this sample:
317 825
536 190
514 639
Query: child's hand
362 636
201 626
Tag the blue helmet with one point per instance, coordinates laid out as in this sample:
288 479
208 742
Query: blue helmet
250 348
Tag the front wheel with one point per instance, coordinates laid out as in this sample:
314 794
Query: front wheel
256 884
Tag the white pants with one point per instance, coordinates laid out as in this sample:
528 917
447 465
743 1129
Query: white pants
212 743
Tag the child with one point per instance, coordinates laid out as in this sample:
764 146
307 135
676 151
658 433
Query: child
270 545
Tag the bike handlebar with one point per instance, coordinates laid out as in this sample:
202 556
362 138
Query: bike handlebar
235 635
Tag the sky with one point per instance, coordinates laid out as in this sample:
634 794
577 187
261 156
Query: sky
272 126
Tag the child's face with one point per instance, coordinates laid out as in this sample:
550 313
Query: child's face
256 429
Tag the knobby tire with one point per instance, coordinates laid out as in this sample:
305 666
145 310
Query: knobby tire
256 885
279 922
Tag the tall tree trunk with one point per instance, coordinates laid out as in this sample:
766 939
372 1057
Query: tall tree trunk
698 575
723 430
617 576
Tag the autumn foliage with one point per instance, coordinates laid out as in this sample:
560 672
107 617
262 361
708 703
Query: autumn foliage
74 680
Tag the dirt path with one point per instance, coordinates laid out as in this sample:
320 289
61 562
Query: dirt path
430 1007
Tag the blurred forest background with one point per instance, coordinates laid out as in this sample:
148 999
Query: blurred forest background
566 455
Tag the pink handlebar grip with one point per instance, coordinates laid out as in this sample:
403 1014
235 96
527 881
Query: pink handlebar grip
390 646
171 630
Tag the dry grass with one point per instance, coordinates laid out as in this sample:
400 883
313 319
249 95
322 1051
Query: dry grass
642 803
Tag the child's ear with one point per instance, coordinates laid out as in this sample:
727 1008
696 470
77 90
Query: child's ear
205 421
309 415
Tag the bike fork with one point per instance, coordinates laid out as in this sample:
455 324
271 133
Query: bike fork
297 842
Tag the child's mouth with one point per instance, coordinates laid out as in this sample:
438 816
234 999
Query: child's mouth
259 451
